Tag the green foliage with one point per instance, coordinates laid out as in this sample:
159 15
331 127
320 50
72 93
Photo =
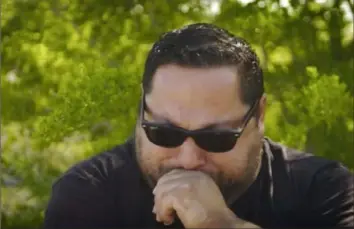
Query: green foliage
71 80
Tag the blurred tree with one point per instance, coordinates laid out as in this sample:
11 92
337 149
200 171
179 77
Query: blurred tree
70 75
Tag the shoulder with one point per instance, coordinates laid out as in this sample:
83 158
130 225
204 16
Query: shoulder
92 192
305 165
100 169
322 189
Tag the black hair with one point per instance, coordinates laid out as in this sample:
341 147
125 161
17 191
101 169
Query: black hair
206 45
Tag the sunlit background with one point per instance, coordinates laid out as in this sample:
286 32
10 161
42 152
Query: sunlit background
70 74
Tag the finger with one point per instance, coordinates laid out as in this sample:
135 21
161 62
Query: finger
176 175
185 213
165 187
160 192
180 173
166 196
164 209
179 204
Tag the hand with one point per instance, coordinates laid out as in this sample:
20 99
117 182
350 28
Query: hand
195 198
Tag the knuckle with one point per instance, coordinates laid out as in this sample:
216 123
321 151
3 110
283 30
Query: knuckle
187 186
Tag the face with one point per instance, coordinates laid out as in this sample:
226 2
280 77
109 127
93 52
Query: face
192 99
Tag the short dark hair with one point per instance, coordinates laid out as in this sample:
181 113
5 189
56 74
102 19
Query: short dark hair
206 45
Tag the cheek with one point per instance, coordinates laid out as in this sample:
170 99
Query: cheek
235 163
232 163
152 157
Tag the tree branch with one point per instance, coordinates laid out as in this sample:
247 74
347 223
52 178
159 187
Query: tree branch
351 6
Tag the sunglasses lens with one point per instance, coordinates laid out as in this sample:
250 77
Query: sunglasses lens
164 136
216 142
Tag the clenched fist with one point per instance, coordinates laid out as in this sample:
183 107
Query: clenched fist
194 197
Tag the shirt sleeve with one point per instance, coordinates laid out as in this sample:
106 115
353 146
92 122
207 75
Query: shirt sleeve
332 198
78 202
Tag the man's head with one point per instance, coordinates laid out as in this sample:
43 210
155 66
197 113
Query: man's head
201 86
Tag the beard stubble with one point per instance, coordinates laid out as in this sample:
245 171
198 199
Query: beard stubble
230 187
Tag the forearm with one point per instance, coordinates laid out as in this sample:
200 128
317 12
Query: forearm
239 223
230 220
243 224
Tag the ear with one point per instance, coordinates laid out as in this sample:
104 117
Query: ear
261 112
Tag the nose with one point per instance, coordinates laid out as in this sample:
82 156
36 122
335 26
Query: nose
190 155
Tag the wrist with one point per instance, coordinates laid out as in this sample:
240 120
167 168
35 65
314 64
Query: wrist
229 220
223 219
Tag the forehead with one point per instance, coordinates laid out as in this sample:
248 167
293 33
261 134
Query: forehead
196 94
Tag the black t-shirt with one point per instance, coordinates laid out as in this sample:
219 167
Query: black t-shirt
293 189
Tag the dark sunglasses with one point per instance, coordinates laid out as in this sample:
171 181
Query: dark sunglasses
211 140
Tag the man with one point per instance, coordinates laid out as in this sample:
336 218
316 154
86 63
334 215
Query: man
199 157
